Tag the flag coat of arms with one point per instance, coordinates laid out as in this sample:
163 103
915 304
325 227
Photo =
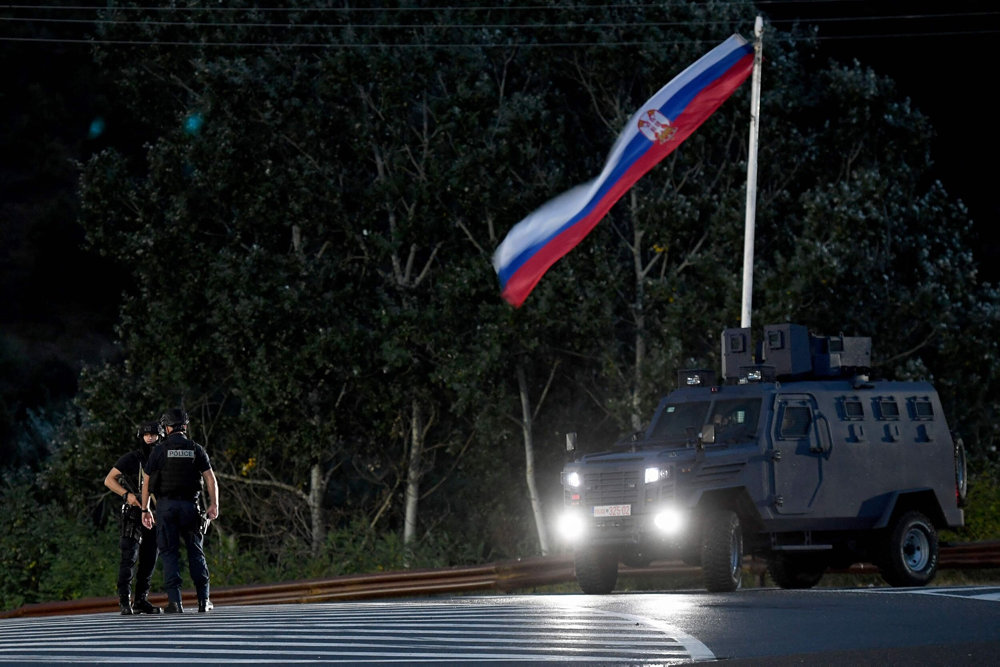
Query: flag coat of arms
654 131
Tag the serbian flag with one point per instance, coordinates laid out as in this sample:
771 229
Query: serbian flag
663 122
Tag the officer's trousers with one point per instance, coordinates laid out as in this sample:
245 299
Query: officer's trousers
177 520
144 552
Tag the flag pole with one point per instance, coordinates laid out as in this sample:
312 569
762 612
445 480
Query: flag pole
758 31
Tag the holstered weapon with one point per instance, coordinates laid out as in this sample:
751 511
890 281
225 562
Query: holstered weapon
203 520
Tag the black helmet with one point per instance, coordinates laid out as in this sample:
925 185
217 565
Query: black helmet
174 418
150 427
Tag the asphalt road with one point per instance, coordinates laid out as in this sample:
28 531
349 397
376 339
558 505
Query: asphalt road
880 626
936 626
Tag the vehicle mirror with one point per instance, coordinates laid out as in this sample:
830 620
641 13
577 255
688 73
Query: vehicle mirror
707 435
571 442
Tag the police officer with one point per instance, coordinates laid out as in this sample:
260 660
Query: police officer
137 543
174 472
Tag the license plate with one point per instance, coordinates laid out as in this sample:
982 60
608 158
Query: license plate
612 510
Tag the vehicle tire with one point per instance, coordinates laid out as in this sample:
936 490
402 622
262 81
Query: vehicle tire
596 570
961 479
796 570
910 552
722 552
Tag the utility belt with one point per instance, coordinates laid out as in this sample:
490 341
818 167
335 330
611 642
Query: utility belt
203 520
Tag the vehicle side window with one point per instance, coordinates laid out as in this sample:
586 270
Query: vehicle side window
795 422
852 408
888 408
735 419
921 409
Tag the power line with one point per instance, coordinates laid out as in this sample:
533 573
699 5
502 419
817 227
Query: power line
485 26
412 10
103 18
342 45
362 10
458 45
378 26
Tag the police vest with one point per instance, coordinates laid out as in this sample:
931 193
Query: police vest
179 477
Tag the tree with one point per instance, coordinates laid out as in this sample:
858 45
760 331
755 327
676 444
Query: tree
309 236
237 310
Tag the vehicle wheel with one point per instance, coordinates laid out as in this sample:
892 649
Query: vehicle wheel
910 553
722 552
961 480
796 571
596 570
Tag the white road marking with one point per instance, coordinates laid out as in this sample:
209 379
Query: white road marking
463 630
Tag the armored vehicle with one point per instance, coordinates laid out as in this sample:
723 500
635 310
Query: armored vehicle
795 457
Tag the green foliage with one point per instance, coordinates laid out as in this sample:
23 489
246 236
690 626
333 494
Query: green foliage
982 512
50 552
309 238
353 549
364 213
84 562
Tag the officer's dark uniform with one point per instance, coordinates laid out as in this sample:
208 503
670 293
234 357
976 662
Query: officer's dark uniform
175 471
136 541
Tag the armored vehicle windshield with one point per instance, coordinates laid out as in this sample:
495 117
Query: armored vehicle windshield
677 424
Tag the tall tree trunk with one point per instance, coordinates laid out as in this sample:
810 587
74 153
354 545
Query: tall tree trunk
316 487
529 459
639 317
413 473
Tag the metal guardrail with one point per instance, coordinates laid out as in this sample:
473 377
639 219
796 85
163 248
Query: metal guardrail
508 576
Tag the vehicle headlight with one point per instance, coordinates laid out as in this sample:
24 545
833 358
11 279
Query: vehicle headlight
670 520
656 474
571 526
572 479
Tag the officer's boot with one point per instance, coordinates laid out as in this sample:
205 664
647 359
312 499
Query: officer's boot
204 605
124 605
143 606
173 608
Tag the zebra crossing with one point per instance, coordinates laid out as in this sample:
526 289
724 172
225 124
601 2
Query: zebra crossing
457 630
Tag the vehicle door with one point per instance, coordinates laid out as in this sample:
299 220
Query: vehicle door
800 438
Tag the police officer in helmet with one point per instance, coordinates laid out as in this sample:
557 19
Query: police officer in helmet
174 473
137 543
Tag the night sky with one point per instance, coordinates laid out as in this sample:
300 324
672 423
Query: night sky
59 302
943 56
